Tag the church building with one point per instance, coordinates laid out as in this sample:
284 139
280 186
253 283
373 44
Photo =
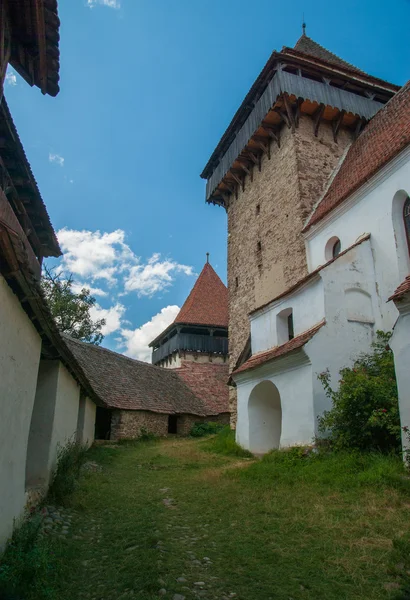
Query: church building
314 174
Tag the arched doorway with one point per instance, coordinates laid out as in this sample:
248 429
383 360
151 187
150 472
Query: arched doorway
265 418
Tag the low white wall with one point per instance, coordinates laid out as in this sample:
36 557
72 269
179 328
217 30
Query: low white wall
400 344
65 413
86 421
293 380
20 348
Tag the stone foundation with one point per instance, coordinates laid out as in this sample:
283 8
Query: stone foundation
128 424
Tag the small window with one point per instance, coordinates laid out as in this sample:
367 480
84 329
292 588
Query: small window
332 248
291 334
259 247
284 326
236 282
336 249
406 218
258 209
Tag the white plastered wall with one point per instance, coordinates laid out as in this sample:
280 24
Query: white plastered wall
20 348
348 297
86 421
400 344
376 209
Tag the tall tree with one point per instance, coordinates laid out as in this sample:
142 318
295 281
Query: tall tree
71 310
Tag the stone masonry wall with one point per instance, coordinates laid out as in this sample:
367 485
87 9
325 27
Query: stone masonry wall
272 210
127 424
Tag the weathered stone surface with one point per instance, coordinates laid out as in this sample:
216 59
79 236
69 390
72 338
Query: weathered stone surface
272 210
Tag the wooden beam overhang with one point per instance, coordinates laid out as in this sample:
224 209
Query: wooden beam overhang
359 126
263 144
289 111
272 131
317 118
337 123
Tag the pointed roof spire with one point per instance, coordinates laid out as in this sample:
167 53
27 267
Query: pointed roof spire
306 45
207 304
303 25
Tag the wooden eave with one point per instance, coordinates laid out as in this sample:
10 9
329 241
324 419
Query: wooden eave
34 27
291 59
17 181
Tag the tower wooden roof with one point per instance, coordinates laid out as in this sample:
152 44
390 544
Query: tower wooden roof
306 79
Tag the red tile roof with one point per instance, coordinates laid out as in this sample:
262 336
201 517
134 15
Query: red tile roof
306 45
207 304
404 288
382 139
208 382
263 357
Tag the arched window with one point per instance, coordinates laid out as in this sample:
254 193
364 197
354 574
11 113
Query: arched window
406 218
333 248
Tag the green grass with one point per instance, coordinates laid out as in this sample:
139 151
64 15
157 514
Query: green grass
331 527
224 443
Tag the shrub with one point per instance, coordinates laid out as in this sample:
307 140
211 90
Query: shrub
70 459
224 443
365 413
202 429
25 569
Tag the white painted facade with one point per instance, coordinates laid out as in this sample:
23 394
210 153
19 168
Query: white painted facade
344 295
400 344
376 208
20 350
86 421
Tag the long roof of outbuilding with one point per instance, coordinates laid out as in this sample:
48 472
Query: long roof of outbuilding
123 383
383 138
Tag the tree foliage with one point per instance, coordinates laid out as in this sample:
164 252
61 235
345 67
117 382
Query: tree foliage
71 310
365 413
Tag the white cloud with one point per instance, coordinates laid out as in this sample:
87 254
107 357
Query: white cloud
56 158
109 3
95 255
11 78
136 341
154 276
112 316
94 291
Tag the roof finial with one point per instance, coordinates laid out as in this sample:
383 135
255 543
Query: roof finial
207 257
303 25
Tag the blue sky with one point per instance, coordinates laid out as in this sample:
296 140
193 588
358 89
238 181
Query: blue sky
147 89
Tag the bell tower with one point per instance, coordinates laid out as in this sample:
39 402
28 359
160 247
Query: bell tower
272 165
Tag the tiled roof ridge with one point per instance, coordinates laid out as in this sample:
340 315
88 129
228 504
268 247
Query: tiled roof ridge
402 289
383 125
312 274
278 351
113 352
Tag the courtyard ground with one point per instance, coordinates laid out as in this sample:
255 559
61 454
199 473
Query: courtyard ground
172 519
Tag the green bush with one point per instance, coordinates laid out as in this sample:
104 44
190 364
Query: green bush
25 568
224 443
70 459
365 413
202 429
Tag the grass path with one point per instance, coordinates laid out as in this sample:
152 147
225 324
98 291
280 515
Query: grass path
169 519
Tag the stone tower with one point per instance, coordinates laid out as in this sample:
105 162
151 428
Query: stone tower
200 330
272 164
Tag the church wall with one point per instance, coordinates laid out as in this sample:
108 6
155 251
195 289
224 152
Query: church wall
372 210
285 189
175 361
308 310
86 421
20 348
